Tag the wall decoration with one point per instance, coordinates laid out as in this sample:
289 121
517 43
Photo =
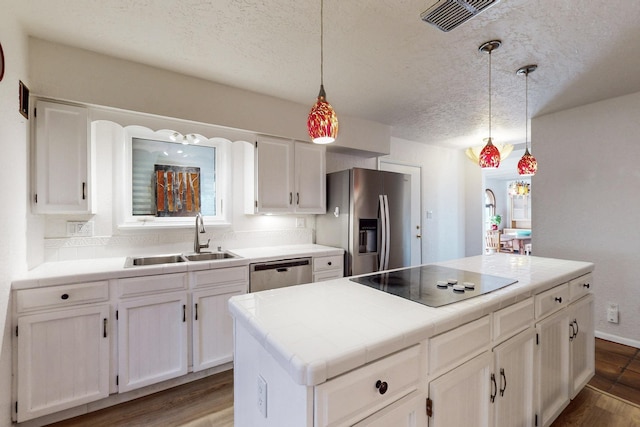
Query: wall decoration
24 100
177 190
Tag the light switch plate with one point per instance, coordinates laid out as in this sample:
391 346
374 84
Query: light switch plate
79 228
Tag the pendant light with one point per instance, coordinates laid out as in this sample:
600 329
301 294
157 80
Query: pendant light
322 122
489 156
527 166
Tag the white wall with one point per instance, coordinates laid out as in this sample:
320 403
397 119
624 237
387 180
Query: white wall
443 195
586 201
13 192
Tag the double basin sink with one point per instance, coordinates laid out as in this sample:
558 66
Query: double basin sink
175 258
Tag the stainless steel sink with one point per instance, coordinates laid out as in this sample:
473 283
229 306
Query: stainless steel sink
209 256
153 260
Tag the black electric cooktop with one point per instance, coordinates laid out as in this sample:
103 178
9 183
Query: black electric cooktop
433 285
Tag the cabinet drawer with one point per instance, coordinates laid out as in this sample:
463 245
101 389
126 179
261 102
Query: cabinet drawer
151 284
62 296
580 286
510 320
450 349
327 275
552 300
352 396
220 276
323 263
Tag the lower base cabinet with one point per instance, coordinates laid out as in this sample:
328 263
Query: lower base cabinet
515 380
407 412
213 326
581 343
461 396
63 360
152 340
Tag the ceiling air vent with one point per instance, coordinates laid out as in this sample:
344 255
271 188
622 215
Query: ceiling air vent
448 14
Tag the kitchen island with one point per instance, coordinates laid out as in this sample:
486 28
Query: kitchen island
340 353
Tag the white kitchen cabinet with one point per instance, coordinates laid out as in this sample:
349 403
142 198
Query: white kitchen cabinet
328 267
553 366
289 177
355 395
582 343
63 159
212 325
409 411
514 373
152 339
461 397
62 359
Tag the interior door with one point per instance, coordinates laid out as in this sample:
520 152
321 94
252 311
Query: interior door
415 220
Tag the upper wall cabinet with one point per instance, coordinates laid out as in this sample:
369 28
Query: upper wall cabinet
62 164
289 177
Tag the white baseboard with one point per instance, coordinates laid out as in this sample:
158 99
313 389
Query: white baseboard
619 340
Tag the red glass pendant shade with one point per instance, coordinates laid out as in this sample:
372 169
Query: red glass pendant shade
527 165
322 122
489 156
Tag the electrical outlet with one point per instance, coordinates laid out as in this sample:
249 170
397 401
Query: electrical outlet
300 222
262 396
79 228
612 312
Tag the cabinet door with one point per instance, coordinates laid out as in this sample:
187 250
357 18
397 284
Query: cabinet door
274 175
582 343
152 340
62 164
310 179
461 397
213 326
63 360
553 366
514 374
409 411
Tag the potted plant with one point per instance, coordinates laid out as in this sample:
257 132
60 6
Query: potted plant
495 221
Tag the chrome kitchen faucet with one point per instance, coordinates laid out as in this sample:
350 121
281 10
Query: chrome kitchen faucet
199 229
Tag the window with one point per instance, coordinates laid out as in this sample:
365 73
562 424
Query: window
169 178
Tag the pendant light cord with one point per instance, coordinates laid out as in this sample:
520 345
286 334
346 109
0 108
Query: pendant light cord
490 94
321 42
526 110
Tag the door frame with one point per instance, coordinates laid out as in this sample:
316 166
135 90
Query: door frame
416 205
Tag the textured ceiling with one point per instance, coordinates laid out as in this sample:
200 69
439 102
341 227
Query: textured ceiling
381 62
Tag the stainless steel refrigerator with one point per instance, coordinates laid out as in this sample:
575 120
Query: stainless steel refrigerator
368 216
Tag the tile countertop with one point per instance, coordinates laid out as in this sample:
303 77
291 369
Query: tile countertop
272 253
320 330
77 271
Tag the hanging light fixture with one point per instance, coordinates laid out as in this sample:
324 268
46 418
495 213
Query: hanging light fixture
489 156
322 122
528 165
473 153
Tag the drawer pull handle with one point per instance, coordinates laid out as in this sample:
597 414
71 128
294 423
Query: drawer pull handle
559 299
382 386
104 327
503 379
64 296
586 285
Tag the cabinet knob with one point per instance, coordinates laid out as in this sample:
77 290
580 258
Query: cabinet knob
329 263
382 386
64 296
559 299
586 285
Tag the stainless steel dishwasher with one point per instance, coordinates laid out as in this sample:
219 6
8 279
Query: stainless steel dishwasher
280 273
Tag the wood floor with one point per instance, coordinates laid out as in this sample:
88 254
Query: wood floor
611 399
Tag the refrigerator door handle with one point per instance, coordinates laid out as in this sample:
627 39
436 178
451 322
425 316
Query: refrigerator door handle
383 224
388 229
